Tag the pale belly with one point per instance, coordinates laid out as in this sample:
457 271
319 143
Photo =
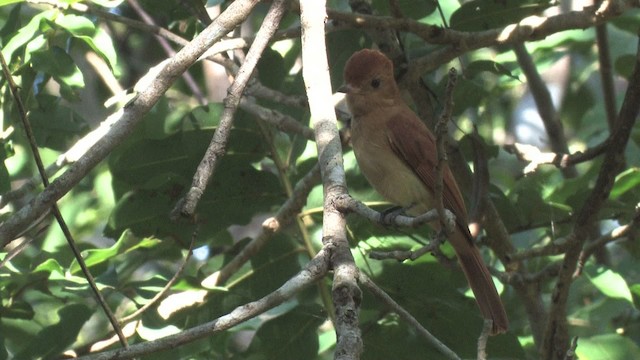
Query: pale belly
391 177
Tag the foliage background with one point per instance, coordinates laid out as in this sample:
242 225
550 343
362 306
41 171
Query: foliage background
69 63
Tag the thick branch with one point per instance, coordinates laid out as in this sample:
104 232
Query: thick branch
315 72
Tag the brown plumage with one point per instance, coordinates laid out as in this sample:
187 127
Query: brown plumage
396 152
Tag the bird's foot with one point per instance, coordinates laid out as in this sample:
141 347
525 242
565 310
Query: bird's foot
388 216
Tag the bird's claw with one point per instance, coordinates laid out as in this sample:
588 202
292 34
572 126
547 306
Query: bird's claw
388 216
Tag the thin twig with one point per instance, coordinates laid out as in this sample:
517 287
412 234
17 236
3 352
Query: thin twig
401 255
275 118
315 270
571 352
536 157
559 246
164 44
271 226
167 286
54 206
484 338
442 134
406 316
217 148
124 120
616 234
544 104
556 337
346 204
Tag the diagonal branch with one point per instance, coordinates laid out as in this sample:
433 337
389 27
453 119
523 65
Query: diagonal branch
120 124
544 103
283 217
311 273
217 148
56 210
556 338
407 317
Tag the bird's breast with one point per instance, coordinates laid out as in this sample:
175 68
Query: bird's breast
386 172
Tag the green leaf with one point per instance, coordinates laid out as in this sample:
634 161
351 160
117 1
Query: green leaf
478 15
83 29
289 336
627 21
52 267
274 265
9 2
468 93
626 182
477 67
17 310
126 243
635 292
271 69
609 283
340 46
57 63
6 151
54 125
26 33
430 293
610 347
624 65
54 339
11 24
78 26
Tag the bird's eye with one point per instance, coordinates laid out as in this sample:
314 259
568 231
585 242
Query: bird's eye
375 83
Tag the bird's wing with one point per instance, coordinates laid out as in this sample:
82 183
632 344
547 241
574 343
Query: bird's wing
416 146
415 151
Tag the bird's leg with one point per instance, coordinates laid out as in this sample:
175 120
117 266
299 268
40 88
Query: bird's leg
388 215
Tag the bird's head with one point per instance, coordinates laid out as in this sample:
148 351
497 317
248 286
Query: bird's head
369 82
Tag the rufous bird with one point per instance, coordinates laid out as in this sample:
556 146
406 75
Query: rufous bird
397 154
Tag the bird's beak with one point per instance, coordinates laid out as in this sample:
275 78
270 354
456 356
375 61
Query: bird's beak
345 88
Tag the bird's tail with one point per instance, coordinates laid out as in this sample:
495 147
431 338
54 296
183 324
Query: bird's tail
480 281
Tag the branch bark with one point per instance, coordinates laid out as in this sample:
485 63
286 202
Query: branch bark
217 148
312 272
315 72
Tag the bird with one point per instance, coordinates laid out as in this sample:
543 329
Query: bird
396 153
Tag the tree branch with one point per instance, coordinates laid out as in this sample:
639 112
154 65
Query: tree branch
283 217
120 124
217 148
406 316
315 72
556 338
535 157
544 104
22 112
311 273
